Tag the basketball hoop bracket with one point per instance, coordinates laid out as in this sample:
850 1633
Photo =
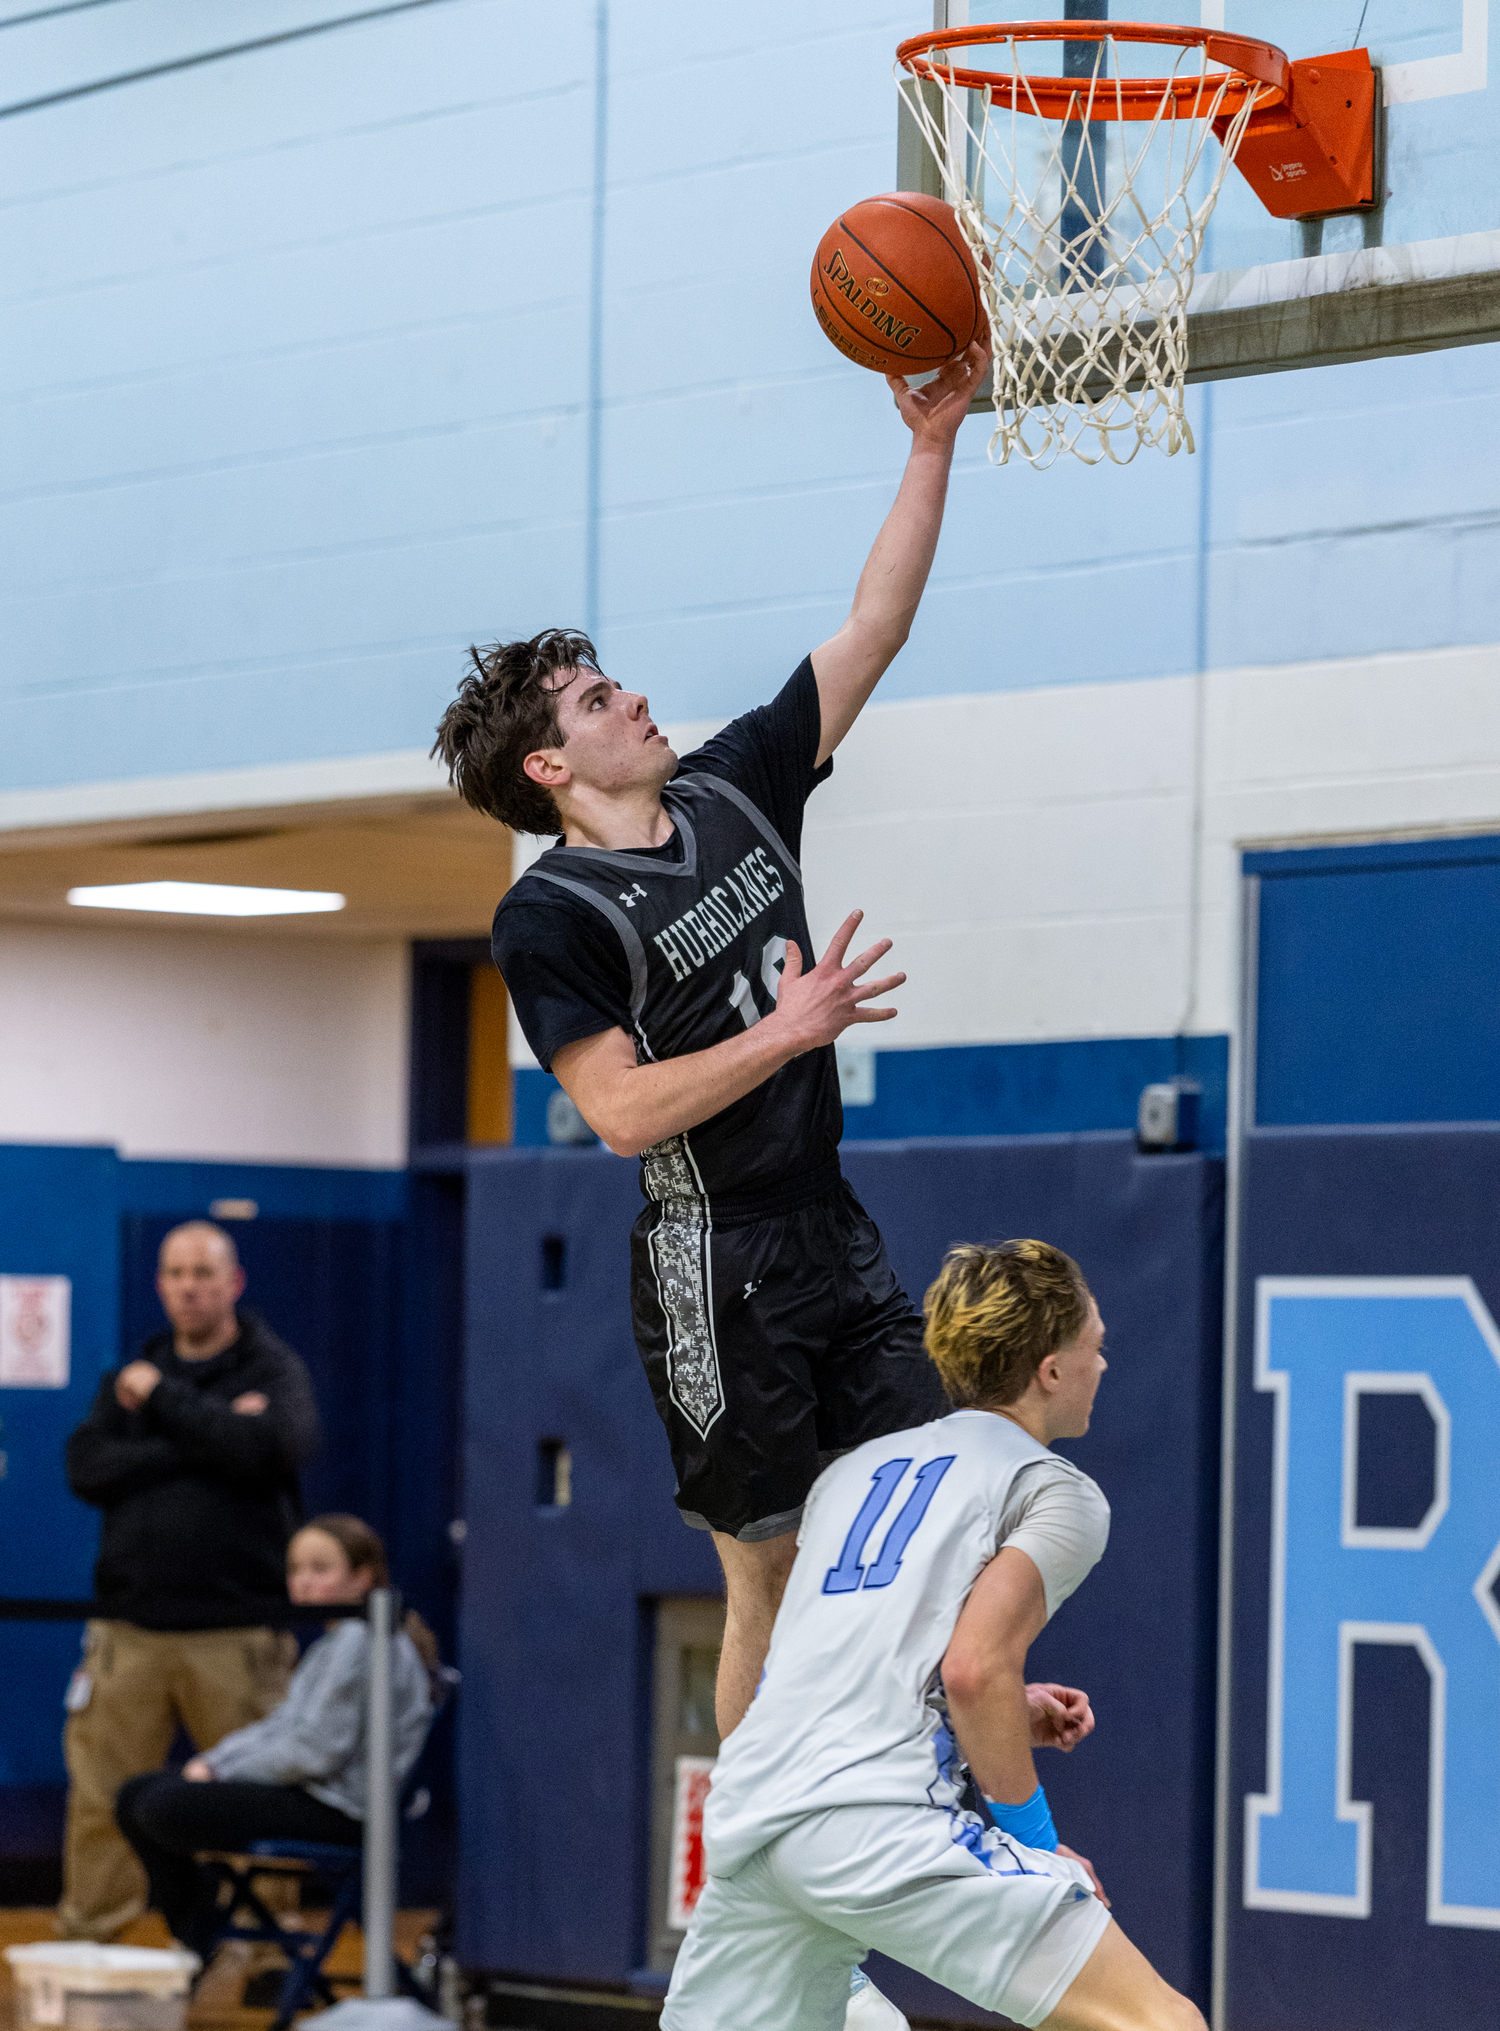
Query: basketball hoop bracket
1315 153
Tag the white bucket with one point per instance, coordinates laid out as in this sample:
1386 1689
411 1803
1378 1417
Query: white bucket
78 1986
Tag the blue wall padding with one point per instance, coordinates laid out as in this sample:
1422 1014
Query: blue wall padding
57 1218
280 1191
995 1089
358 1269
1139 1636
372 1303
31 1822
1378 983
1352 1202
554 1729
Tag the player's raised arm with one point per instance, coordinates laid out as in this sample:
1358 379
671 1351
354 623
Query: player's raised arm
851 663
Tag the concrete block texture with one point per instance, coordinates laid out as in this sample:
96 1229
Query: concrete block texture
325 358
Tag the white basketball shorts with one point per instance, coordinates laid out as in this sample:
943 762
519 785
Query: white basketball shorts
770 1948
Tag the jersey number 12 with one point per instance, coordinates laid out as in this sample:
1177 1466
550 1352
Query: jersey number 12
742 993
849 1575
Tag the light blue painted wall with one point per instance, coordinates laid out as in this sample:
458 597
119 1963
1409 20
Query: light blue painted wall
294 359
275 447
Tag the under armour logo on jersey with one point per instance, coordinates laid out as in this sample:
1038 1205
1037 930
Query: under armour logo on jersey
628 896
751 1289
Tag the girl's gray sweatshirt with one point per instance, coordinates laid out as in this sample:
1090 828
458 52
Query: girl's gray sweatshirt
316 1737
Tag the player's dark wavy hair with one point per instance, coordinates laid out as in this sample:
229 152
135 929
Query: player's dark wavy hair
504 711
994 1315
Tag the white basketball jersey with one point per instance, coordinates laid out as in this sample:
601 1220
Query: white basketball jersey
850 1710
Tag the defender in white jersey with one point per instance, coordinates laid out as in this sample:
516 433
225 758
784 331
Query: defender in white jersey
880 1793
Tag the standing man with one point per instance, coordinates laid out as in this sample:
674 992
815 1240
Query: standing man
192 1452
657 960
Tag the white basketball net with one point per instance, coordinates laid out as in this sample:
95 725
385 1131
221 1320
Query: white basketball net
1085 232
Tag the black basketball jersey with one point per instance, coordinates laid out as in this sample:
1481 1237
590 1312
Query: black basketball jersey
704 939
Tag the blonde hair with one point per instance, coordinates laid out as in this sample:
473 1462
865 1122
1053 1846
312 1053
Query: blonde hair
994 1314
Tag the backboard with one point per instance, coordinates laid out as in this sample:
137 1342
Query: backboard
1419 272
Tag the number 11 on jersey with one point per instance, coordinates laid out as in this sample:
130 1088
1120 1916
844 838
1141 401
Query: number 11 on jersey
848 1576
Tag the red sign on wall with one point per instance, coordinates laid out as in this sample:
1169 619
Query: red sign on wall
694 1775
34 1332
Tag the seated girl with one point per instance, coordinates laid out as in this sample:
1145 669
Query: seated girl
299 1774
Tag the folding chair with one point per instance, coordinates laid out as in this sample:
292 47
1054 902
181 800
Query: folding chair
340 1867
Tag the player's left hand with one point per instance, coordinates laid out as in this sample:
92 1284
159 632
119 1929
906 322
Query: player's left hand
1084 1863
1060 1716
934 412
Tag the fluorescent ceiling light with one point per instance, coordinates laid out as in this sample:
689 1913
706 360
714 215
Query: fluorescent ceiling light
205 899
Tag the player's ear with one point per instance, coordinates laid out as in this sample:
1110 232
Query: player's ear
547 767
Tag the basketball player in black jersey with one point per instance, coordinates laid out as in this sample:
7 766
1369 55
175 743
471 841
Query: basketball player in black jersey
657 960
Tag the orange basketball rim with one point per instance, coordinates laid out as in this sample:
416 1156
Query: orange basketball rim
1308 147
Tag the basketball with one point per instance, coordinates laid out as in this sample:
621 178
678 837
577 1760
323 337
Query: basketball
894 284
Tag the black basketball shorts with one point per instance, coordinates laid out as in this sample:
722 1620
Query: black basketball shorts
769 1342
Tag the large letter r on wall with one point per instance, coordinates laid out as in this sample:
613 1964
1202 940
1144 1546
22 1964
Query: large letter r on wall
1319 1343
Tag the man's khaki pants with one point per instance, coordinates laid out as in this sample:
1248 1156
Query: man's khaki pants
144 1683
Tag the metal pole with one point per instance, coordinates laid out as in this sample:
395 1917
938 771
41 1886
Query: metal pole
380 1806
1083 159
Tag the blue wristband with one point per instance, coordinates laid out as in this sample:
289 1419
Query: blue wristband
1030 1824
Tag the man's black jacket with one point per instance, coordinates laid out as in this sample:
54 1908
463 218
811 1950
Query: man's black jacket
199 1500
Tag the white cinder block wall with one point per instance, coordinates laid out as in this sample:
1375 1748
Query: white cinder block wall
1032 852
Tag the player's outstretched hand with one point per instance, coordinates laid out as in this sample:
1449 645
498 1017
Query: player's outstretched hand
933 413
1084 1863
1060 1716
819 1006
